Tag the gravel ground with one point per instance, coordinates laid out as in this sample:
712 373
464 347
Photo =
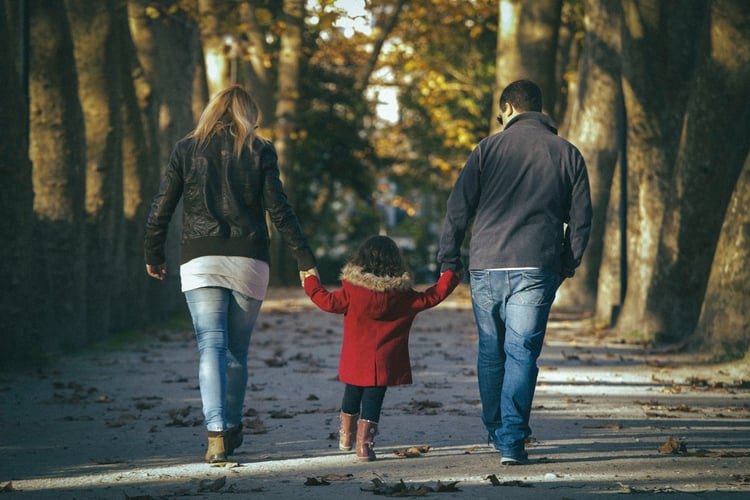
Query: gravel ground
609 418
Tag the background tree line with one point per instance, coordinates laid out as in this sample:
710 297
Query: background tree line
654 93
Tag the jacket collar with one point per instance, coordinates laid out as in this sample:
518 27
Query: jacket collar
533 116
356 276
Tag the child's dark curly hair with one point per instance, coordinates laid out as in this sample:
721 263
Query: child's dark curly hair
380 256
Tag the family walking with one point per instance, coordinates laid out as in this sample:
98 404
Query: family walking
523 193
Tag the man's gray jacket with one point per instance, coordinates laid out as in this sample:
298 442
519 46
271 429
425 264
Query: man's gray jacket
527 191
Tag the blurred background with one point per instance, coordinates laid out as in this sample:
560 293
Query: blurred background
374 105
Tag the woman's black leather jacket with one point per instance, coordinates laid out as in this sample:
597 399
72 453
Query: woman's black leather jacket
225 200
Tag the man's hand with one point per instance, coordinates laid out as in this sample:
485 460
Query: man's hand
158 271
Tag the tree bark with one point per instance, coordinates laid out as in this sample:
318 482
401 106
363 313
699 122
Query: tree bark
282 272
593 126
17 206
527 47
259 74
693 219
657 66
724 323
58 153
139 174
166 43
96 48
215 50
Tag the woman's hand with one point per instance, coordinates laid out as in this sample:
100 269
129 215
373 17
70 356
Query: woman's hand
305 274
158 271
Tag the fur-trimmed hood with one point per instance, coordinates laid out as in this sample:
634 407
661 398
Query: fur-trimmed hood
358 277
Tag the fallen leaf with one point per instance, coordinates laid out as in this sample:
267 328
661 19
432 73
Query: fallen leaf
314 481
447 487
275 362
496 482
424 407
673 446
401 489
414 451
337 477
254 426
281 414
616 426
212 484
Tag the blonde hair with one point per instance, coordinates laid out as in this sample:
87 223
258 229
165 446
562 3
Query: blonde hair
232 109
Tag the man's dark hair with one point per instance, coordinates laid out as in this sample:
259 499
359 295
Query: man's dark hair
523 95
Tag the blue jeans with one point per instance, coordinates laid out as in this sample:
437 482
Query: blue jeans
223 320
511 310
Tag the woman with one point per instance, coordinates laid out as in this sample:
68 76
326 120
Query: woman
227 178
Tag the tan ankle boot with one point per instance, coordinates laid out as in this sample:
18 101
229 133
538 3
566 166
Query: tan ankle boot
216 451
347 430
366 430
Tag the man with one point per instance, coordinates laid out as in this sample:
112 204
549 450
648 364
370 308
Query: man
527 192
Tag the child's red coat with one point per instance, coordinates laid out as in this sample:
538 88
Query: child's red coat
378 314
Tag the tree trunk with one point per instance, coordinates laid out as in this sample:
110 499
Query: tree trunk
658 49
610 292
166 48
58 154
258 74
724 324
96 43
282 272
693 219
527 47
215 49
140 173
17 206
592 125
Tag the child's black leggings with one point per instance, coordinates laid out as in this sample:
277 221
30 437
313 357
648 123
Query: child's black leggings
368 399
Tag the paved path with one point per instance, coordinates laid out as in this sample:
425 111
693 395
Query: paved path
126 424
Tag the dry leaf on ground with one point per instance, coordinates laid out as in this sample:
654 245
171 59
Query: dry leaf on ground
414 451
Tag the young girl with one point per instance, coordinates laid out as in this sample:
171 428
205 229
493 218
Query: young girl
379 306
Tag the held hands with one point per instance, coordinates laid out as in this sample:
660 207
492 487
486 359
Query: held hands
304 274
459 272
158 271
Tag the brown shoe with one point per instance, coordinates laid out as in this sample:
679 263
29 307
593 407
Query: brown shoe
216 451
366 430
233 439
347 430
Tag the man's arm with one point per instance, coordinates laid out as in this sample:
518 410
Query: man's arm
460 209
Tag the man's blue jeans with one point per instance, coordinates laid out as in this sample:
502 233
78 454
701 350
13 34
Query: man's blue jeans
223 320
511 310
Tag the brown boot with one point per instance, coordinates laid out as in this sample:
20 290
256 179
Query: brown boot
347 430
233 439
366 430
216 451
